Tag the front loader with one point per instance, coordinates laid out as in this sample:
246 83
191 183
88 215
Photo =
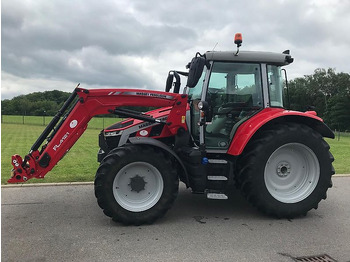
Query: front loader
228 129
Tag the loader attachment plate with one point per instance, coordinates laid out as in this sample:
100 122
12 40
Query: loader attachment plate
22 170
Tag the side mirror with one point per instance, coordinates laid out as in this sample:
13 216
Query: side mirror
169 82
196 68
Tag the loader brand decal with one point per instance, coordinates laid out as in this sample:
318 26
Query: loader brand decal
64 137
73 124
148 94
143 133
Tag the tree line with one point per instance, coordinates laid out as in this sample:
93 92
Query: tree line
45 103
35 104
325 91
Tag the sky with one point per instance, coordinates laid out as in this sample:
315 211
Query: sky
47 45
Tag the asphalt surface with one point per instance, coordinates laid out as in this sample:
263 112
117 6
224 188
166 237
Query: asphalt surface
64 223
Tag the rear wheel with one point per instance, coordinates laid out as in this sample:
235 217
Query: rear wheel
286 170
136 184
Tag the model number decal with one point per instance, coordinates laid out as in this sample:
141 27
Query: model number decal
64 137
145 124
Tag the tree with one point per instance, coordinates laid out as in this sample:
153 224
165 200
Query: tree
328 92
38 103
338 112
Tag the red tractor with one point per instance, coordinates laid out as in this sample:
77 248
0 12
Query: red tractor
228 129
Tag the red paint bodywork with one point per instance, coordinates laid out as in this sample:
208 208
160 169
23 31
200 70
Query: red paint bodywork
172 109
92 103
246 130
161 113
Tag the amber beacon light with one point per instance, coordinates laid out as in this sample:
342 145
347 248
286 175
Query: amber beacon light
238 39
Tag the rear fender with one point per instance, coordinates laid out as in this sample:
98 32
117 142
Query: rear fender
156 143
271 116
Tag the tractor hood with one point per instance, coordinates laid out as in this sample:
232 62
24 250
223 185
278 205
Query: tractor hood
160 113
118 134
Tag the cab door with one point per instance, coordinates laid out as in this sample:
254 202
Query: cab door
234 93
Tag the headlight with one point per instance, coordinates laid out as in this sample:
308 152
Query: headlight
203 105
115 133
200 105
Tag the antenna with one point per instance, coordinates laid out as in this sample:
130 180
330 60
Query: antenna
215 46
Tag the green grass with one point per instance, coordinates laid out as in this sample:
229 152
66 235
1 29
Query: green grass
341 152
80 164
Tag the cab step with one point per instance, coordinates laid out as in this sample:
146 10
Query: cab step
216 195
217 178
217 161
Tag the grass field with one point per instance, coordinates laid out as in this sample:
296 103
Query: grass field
80 164
341 152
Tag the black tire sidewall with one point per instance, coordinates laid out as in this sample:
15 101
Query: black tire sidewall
305 136
158 161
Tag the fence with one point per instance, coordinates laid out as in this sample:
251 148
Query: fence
338 134
95 123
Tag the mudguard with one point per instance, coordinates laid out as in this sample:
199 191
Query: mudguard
157 143
275 115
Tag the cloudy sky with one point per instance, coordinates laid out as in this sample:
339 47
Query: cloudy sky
56 44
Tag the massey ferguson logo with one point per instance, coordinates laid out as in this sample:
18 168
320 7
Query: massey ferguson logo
61 141
142 94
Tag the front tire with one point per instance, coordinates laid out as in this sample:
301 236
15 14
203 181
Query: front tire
136 184
286 170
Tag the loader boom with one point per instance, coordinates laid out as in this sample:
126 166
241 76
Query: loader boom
63 131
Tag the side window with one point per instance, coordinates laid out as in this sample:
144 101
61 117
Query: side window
275 86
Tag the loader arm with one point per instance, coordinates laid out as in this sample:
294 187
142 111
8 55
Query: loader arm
72 120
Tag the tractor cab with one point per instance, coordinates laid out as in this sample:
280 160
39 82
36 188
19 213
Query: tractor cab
232 87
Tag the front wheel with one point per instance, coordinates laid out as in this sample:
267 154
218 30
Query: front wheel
136 184
286 170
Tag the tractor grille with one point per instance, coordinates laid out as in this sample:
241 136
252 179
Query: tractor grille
319 258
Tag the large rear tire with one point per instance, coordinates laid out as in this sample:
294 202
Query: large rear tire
286 170
136 184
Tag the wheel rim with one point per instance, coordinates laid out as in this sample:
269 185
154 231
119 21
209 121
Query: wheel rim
138 186
292 173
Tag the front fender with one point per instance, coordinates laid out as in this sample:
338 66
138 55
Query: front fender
275 115
159 144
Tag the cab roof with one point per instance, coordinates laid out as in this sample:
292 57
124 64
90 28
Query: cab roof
279 59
